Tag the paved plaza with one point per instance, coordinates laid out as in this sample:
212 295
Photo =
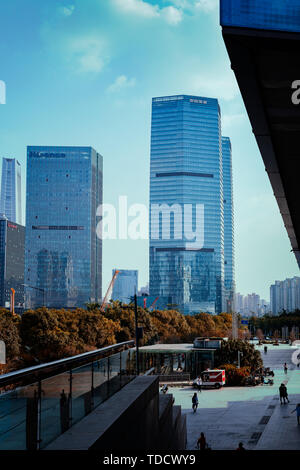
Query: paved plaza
252 415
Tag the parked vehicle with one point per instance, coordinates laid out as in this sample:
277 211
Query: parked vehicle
213 378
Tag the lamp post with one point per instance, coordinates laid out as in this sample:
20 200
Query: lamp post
136 336
240 354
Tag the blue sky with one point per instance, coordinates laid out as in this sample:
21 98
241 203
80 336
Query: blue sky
83 72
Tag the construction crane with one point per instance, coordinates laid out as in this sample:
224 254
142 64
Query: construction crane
153 303
108 292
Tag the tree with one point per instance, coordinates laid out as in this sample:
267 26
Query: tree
228 354
9 333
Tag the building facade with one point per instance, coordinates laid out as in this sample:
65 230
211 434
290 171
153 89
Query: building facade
229 279
186 204
12 241
63 254
10 195
125 286
285 295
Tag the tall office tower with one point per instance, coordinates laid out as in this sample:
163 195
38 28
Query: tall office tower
10 196
125 286
12 240
229 279
186 191
63 255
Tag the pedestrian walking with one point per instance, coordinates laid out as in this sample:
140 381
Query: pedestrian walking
241 446
199 383
285 367
195 402
201 443
297 409
266 349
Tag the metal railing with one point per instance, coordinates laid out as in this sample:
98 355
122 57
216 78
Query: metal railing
48 399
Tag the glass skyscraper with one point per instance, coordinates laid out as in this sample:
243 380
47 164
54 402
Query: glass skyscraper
10 195
228 225
125 286
186 173
277 15
63 255
12 239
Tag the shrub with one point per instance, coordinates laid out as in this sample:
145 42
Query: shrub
235 376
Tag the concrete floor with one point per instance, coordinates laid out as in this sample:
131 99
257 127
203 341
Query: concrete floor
252 415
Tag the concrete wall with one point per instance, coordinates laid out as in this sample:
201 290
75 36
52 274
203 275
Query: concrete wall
137 417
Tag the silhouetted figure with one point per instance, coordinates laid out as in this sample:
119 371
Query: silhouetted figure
283 394
201 443
195 402
241 446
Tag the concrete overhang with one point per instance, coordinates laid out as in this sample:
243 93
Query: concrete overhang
266 63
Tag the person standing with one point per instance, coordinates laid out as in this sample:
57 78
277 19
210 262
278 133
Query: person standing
199 383
201 443
297 409
283 393
285 367
195 402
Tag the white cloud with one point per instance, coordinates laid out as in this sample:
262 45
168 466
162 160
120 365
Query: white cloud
138 7
223 85
170 14
120 83
207 5
86 53
66 10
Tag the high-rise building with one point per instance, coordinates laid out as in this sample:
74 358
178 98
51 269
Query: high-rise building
229 279
285 295
12 240
186 204
10 195
63 255
251 304
125 286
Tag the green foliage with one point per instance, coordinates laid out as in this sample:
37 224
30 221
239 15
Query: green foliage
228 354
271 323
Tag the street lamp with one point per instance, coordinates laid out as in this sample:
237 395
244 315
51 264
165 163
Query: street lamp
240 354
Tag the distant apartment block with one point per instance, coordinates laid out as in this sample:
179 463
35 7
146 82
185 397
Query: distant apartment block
125 286
285 295
251 304
10 194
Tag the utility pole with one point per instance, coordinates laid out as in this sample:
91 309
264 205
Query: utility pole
234 325
240 354
136 336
